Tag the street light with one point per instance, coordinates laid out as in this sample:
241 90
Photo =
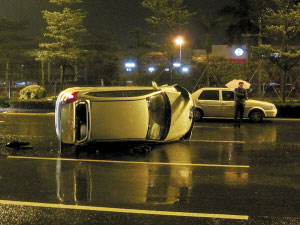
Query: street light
179 41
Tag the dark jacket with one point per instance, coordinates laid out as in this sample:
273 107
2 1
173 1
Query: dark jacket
240 96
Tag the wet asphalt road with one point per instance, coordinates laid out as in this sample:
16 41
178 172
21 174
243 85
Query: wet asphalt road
223 175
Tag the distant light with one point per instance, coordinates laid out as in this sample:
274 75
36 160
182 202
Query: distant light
176 64
167 69
185 69
20 83
129 65
128 69
151 69
239 52
129 81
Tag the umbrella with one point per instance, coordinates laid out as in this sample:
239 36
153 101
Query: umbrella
235 84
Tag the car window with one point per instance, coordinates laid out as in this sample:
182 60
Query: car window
228 95
134 93
209 95
116 94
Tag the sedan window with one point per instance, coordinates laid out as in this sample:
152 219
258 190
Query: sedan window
209 95
228 95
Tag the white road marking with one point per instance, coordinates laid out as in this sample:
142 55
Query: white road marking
130 162
121 210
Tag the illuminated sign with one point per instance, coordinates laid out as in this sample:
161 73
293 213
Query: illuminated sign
239 52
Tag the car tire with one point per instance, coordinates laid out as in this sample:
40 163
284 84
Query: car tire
256 116
198 114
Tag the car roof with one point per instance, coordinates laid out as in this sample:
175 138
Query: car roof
217 88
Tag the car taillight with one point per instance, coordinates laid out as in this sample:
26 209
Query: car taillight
71 97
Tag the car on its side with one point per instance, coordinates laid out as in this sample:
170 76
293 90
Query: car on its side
219 102
121 114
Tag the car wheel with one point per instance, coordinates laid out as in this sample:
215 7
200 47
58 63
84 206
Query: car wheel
256 116
198 114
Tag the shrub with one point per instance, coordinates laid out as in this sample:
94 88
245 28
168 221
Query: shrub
32 104
32 92
4 102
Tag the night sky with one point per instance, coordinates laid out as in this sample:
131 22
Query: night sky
116 17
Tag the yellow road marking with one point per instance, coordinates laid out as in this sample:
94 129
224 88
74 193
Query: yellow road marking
216 141
29 113
121 210
129 162
268 118
284 119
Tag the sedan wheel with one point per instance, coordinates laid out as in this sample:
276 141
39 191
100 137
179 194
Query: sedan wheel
198 114
257 116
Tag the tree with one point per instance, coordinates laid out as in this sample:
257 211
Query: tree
243 17
282 25
63 36
244 23
102 56
169 17
208 22
139 47
12 44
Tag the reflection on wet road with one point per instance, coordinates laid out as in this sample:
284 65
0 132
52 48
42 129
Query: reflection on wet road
222 172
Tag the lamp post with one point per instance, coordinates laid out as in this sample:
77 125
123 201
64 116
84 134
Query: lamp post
179 41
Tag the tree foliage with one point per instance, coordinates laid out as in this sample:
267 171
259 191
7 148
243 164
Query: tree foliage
63 35
12 40
282 25
102 56
168 18
168 15
243 18
283 22
13 44
65 2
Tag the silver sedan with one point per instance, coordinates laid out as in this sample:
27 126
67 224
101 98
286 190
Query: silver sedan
219 102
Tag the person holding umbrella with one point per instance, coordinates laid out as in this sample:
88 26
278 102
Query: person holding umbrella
240 97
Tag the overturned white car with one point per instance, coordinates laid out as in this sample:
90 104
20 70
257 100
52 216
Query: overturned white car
110 114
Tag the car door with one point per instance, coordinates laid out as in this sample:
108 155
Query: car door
227 103
209 100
